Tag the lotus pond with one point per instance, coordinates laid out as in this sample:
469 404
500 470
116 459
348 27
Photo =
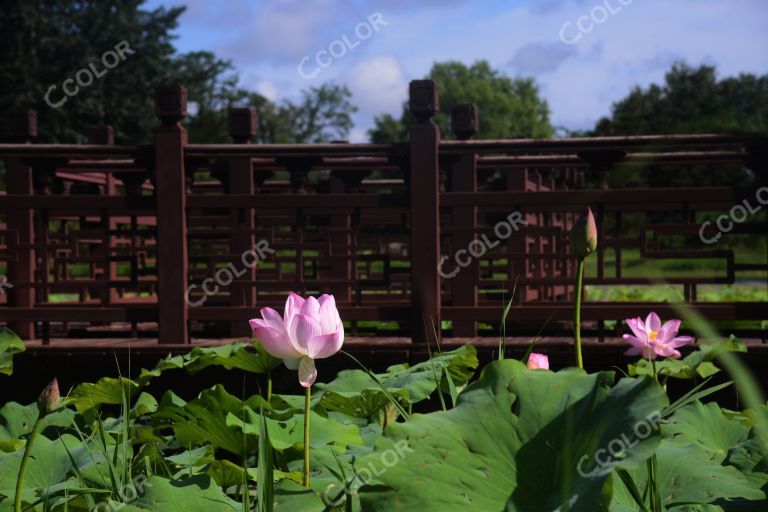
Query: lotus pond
509 436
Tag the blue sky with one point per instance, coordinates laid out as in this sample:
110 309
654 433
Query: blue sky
584 54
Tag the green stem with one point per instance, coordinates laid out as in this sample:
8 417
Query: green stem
269 386
577 312
24 460
306 435
655 497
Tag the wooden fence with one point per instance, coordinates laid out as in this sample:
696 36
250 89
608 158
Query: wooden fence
176 240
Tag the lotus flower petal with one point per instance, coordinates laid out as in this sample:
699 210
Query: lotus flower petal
292 306
638 327
652 323
326 345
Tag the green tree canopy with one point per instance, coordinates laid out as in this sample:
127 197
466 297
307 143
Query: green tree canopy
45 42
692 100
508 107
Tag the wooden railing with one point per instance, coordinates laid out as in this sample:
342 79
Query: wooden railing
176 240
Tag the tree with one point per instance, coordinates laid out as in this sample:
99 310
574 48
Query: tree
387 129
691 100
323 114
45 42
508 107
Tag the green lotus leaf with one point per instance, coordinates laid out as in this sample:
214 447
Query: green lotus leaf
517 439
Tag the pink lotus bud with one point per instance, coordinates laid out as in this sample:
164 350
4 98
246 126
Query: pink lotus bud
538 362
583 235
49 398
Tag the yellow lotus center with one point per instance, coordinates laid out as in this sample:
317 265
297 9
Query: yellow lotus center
653 335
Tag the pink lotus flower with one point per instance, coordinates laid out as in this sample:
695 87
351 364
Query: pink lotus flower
652 339
538 362
309 329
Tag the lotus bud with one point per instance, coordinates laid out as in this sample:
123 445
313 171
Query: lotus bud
538 362
583 235
49 398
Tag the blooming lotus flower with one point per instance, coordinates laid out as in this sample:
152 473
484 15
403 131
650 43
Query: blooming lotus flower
49 399
538 362
583 235
651 339
309 329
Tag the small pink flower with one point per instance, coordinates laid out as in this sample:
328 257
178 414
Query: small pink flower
538 362
651 339
309 329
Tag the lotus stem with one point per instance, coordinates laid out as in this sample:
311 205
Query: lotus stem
23 468
577 311
306 435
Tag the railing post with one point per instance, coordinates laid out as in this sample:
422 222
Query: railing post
425 210
340 243
105 134
464 123
170 193
242 128
22 129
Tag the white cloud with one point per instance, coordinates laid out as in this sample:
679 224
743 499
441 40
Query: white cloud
635 46
268 90
358 135
378 84
541 57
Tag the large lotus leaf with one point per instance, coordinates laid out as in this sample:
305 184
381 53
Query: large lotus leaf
285 434
10 344
355 393
515 440
168 363
706 426
292 497
203 420
250 358
108 390
17 420
694 365
751 458
690 474
198 493
419 379
48 465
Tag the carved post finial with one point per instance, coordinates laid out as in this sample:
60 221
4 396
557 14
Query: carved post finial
465 121
170 103
424 99
243 123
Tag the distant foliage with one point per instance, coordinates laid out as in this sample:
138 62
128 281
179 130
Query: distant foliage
45 42
691 100
509 108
